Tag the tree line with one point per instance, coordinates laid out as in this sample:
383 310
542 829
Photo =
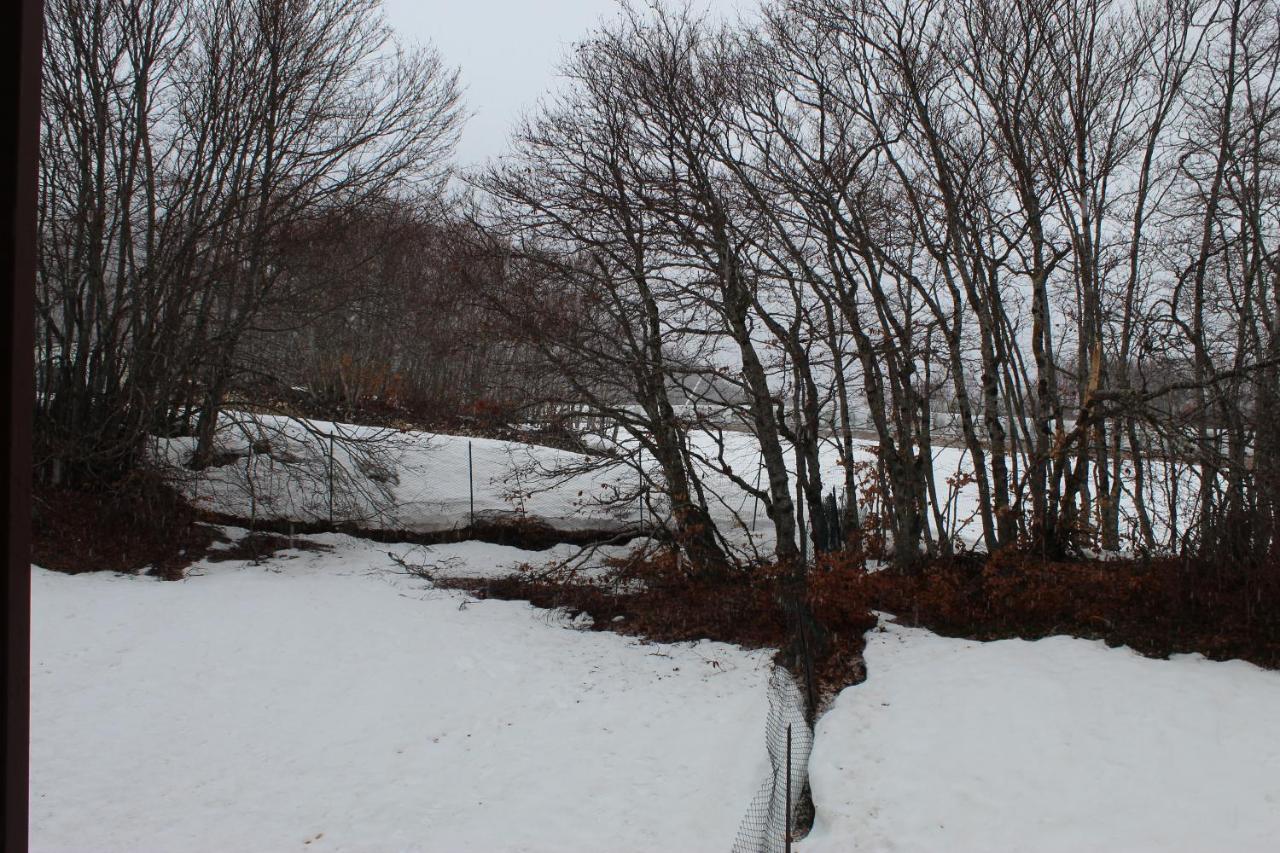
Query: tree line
1043 233
217 177
1052 224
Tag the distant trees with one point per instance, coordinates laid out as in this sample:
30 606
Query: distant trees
392 319
187 146
1060 218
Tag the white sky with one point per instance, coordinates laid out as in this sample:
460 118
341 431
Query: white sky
508 51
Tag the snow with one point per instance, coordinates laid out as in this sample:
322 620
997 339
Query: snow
326 700
331 701
1055 745
428 482
322 701
436 478
393 480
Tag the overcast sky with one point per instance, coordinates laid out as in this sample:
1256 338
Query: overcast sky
508 51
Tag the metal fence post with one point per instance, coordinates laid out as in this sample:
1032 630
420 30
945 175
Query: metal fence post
330 478
471 483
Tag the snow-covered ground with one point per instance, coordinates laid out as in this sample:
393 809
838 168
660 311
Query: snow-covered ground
327 701
426 482
1055 745
392 480
321 701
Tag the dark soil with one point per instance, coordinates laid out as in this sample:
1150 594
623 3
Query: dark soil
526 533
260 546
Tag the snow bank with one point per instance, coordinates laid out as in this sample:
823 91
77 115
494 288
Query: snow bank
427 482
319 701
1055 745
390 480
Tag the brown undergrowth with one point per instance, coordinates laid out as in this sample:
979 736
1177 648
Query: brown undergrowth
657 597
1157 606
134 525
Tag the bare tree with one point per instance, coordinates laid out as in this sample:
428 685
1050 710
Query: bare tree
185 141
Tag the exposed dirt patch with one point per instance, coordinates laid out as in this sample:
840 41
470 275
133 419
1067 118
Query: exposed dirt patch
528 534
260 546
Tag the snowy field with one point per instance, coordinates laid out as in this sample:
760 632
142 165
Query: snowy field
1055 745
320 701
327 701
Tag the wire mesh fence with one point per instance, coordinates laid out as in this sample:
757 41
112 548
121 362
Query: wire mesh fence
279 469
769 822
316 473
